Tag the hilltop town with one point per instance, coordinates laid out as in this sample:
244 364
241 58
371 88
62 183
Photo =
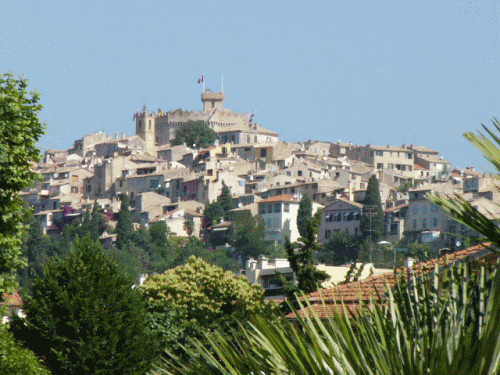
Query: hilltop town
265 176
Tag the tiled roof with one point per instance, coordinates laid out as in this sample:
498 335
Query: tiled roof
281 198
370 289
11 300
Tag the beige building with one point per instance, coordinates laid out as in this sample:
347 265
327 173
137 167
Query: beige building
159 128
385 157
341 215
279 214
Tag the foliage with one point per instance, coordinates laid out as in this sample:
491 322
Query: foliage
444 324
84 317
301 260
341 248
125 226
213 213
97 222
304 214
463 211
14 359
200 298
372 219
248 239
20 129
189 227
194 133
159 232
225 200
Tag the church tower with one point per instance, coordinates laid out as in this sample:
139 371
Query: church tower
145 128
212 100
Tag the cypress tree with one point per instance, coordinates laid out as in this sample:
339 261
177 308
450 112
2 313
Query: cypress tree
225 199
304 214
372 219
125 226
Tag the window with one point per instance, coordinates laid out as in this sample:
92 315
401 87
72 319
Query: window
286 207
414 224
424 223
356 231
379 153
277 207
435 222
248 141
409 155
380 165
149 124
327 233
269 208
424 209
262 209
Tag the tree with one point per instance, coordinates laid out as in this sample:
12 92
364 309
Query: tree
189 227
213 213
20 130
301 260
125 226
15 359
304 214
83 317
194 133
97 222
248 238
225 200
341 248
372 219
202 298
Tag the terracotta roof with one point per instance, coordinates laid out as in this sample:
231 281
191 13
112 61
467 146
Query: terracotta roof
370 289
11 300
281 198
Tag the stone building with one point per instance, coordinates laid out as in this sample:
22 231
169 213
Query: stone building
159 128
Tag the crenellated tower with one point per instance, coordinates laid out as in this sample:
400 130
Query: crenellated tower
212 100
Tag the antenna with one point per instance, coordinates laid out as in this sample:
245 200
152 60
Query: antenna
223 83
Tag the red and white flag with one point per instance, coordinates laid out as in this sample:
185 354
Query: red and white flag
200 80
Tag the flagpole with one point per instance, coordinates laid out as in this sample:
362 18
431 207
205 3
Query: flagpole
223 83
203 80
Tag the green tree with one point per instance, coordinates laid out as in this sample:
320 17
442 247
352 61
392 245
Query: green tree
213 213
20 130
304 214
195 133
341 248
83 317
225 200
125 226
189 227
14 359
248 238
202 298
301 260
97 222
372 219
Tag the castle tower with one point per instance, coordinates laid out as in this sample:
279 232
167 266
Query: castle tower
212 100
145 128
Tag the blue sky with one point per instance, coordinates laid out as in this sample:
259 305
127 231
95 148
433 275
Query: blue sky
386 72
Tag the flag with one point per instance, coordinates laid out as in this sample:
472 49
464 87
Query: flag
135 116
201 79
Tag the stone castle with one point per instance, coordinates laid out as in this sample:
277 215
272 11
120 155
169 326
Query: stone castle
158 129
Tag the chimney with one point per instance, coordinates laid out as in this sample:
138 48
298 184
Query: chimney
116 136
123 135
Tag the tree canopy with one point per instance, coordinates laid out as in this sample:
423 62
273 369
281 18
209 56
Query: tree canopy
193 299
341 248
195 133
20 130
84 317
